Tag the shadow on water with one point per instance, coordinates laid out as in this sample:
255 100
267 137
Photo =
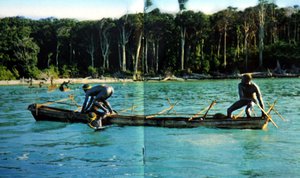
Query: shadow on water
45 126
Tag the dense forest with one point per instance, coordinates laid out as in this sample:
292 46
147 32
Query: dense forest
152 43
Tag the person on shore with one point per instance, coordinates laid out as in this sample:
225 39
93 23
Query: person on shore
95 98
64 86
249 94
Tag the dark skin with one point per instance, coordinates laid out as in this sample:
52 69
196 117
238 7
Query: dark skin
249 92
97 96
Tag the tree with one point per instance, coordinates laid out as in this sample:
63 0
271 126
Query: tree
124 35
104 27
182 7
248 24
148 4
18 51
261 30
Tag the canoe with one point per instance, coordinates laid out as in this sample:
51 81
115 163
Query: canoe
45 113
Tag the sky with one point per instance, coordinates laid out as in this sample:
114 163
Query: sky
98 9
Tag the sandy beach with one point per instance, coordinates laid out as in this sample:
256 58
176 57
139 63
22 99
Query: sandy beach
61 80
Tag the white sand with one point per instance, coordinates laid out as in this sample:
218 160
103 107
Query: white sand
61 80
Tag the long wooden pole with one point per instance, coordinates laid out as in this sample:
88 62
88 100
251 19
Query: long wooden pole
163 111
281 117
51 102
268 116
205 109
210 106
197 114
279 114
271 106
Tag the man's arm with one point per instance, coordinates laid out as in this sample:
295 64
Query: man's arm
84 104
259 98
90 102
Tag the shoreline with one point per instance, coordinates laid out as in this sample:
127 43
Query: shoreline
59 81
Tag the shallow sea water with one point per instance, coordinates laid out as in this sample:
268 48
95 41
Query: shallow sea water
52 149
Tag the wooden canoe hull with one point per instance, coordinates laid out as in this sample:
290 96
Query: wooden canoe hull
183 122
45 113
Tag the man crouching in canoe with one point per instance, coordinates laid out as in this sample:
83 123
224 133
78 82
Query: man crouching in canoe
248 91
97 96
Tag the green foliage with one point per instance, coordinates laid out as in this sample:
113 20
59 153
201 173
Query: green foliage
6 74
205 66
65 72
52 71
92 71
17 48
34 72
28 47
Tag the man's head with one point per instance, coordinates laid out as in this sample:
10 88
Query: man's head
86 87
246 78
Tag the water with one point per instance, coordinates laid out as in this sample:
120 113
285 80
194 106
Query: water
52 149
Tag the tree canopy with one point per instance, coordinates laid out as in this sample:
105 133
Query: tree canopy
151 43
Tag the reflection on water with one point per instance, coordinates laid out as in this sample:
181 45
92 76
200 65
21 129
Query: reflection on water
52 149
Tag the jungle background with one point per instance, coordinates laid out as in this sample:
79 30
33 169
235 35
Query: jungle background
260 38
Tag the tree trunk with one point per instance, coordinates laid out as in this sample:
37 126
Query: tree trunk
225 37
123 41
146 56
138 53
219 46
104 45
156 56
153 55
91 49
246 30
182 35
123 57
120 56
261 38
57 53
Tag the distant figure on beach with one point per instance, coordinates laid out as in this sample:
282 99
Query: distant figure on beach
30 83
64 86
52 85
95 98
41 84
249 94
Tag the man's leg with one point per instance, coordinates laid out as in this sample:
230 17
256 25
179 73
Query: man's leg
99 105
248 109
107 105
235 106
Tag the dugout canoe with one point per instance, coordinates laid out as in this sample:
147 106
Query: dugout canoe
45 113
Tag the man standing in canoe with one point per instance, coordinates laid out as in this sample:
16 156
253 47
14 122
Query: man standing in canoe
95 98
249 94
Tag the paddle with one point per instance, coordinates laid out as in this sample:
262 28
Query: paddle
268 116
